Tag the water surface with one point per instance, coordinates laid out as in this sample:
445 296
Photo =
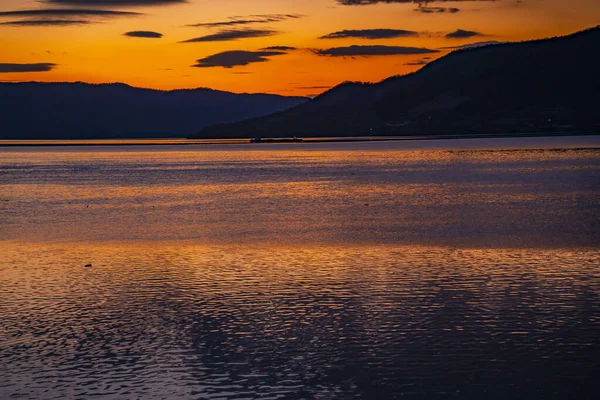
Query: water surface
467 269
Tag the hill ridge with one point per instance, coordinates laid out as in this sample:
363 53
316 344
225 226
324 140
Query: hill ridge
79 110
530 86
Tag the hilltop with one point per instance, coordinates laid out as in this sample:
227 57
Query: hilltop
35 110
548 85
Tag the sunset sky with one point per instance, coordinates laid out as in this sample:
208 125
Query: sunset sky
290 47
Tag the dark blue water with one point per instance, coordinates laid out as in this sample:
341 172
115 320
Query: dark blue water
360 271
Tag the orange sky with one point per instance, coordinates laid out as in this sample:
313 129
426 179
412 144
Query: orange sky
86 46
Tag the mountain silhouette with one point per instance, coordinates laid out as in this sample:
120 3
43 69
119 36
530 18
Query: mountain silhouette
34 110
548 85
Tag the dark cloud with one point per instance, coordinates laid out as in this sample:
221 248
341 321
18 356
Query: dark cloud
462 34
67 12
366 51
370 34
232 34
47 22
313 87
143 34
279 48
417 63
235 58
471 45
61 16
420 3
251 19
430 10
114 3
40 67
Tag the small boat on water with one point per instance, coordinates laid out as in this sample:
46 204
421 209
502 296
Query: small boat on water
276 140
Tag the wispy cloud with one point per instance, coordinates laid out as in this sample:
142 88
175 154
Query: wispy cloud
462 34
232 34
431 10
471 45
61 16
279 48
47 22
235 58
420 3
313 87
39 67
67 12
423 6
114 3
247 20
380 33
369 51
417 63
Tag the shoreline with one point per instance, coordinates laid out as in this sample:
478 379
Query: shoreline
206 142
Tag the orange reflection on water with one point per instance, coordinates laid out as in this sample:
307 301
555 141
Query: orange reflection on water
251 315
360 193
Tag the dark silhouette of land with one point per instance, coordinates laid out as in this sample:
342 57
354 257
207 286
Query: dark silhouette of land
542 86
114 111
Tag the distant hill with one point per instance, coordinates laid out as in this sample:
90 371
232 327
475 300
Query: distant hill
80 111
549 85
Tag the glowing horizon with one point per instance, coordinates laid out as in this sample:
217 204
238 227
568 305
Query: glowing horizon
285 47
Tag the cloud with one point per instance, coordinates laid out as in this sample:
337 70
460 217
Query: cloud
420 3
232 34
367 51
471 45
68 12
61 16
247 20
430 10
144 34
279 48
417 63
40 67
235 58
313 87
46 22
114 3
462 34
370 34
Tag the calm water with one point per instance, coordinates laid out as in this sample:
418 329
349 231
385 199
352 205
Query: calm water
462 269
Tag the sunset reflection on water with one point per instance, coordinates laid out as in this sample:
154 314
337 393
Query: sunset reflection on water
365 271
364 193
324 321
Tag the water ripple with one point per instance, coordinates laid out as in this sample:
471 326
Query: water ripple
171 321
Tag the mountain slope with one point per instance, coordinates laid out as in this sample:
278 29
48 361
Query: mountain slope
536 86
78 110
